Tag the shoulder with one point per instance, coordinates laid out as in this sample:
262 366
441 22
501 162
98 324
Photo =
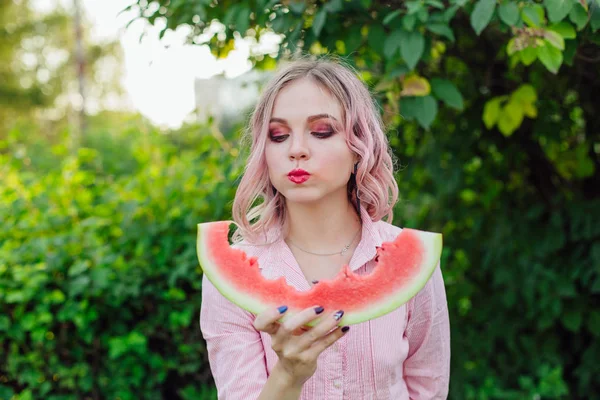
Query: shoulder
386 231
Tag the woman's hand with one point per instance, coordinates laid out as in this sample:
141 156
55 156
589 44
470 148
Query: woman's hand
297 345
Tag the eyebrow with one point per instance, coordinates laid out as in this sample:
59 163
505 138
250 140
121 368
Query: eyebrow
309 119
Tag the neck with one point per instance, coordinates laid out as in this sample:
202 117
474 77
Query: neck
322 228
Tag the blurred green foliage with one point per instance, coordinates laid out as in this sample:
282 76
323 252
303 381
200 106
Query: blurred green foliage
99 280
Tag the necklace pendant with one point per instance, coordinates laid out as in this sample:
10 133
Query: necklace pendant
344 250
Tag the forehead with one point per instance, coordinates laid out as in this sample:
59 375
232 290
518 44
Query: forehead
303 98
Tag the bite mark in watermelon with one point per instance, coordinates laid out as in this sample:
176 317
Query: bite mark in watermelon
403 268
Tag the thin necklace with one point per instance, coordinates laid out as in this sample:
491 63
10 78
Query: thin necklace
344 250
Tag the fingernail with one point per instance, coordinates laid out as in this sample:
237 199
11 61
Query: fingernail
345 329
319 310
282 309
338 315
315 282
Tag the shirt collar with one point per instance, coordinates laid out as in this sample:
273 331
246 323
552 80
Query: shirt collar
369 241
365 251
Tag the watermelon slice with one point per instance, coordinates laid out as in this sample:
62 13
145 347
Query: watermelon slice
403 268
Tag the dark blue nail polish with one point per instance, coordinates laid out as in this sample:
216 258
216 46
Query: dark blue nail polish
282 309
319 310
345 329
338 315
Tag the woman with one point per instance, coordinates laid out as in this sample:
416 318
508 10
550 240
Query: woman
321 164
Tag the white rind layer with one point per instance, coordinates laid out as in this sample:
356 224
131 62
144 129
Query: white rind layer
240 298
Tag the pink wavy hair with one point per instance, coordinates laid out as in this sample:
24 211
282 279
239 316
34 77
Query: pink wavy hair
375 175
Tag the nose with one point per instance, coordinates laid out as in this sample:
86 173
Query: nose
298 148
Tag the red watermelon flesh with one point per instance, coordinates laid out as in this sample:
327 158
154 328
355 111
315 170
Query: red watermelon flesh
403 268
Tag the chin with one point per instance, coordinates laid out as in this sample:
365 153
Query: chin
302 196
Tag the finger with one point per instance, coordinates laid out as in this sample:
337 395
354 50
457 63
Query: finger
298 322
300 331
326 325
320 345
267 321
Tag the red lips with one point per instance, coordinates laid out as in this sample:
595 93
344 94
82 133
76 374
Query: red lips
298 176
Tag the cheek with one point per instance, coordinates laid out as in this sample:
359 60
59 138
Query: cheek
337 161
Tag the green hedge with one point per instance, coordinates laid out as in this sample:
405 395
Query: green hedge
99 280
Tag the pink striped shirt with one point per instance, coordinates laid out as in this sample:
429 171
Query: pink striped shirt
402 355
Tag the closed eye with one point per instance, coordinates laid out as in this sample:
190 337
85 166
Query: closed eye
322 135
278 138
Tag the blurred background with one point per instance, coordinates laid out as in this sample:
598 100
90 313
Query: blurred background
119 132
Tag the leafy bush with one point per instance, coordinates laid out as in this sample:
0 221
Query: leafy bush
99 280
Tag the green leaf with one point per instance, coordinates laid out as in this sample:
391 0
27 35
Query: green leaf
551 57
572 319
297 7
491 111
443 30
412 45
391 16
409 107
376 38
319 21
569 52
413 7
423 15
595 17
435 3
243 20
533 15
528 55
525 94
482 14
393 43
579 16
451 12
334 6
447 92
564 29
510 118
427 111
509 13
415 86
558 9
409 21
511 46
555 39
398 71
593 323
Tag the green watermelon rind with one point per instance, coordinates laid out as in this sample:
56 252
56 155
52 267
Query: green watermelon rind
243 300
431 241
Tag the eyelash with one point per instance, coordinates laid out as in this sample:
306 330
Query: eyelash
319 135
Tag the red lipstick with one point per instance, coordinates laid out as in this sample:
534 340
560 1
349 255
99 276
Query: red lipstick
298 176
